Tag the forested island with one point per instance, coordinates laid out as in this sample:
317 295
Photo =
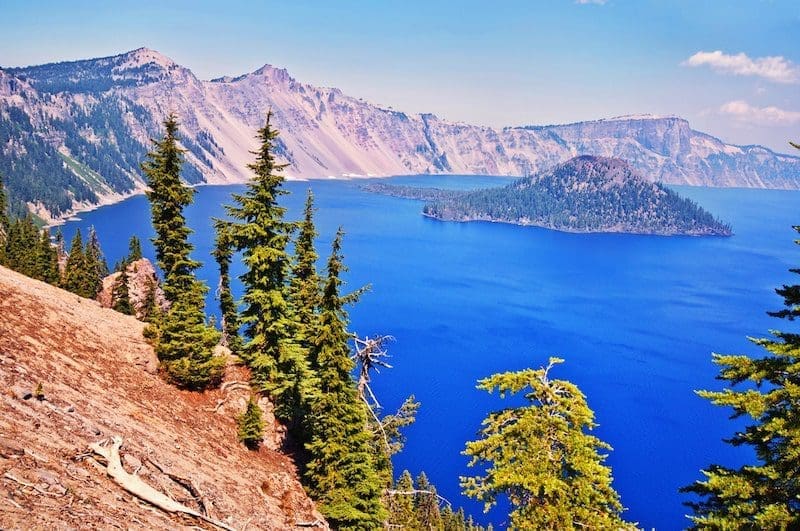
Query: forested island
583 194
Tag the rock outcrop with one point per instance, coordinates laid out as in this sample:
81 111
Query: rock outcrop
142 285
83 127
75 376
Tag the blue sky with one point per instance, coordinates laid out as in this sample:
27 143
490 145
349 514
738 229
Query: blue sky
494 63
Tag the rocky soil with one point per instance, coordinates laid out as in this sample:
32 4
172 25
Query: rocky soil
73 374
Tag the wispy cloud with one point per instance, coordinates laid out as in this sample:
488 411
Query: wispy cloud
774 68
744 112
595 2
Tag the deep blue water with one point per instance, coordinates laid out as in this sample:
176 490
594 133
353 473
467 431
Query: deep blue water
635 317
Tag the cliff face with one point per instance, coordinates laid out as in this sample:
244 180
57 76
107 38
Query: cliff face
73 134
98 381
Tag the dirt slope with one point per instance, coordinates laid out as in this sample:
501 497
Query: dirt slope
98 380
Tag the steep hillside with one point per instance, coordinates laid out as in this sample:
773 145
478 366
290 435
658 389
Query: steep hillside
97 382
73 134
584 194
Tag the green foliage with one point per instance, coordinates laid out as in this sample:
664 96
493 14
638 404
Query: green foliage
541 457
184 341
766 392
120 297
278 362
4 222
95 264
250 425
74 279
426 503
340 472
304 285
85 267
402 510
223 254
585 194
134 254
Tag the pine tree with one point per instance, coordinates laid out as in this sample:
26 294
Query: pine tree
765 494
223 254
120 296
340 472
402 511
426 503
304 286
46 259
95 265
184 341
542 458
134 249
168 197
251 425
4 223
74 279
278 363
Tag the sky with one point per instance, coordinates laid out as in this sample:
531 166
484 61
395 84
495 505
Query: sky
731 68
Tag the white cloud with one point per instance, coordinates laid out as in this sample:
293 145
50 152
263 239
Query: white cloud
775 68
596 2
744 112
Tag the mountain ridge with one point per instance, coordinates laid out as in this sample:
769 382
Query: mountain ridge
72 135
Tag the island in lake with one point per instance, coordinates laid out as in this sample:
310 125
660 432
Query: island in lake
583 194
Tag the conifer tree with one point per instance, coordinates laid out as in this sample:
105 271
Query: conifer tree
340 473
426 503
258 229
304 286
402 511
120 295
251 425
764 494
168 197
46 259
542 458
4 223
184 341
223 254
75 270
95 265
134 249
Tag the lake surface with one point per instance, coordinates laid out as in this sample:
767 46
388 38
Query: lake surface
635 317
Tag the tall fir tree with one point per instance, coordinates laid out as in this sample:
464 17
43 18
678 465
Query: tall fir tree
402 512
304 286
541 457
96 267
168 197
258 229
120 295
4 222
184 340
134 249
340 473
74 278
426 502
766 392
223 255
46 260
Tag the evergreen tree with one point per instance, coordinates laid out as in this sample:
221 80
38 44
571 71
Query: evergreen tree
304 286
46 259
542 458
75 279
168 197
184 341
427 504
402 511
95 265
279 364
134 249
250 425
765 494
223 254
150 311
340 472
4 223
120 296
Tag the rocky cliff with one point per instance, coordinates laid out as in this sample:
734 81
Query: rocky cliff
73 134
76 376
